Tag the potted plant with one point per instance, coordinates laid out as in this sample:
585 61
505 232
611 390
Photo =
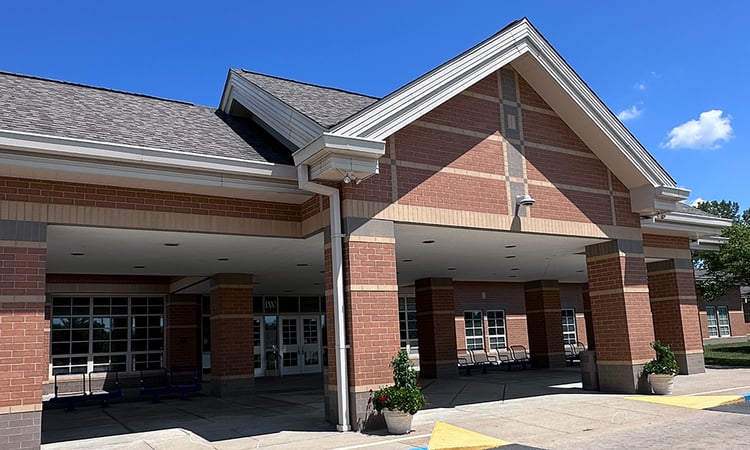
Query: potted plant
398 403
662 369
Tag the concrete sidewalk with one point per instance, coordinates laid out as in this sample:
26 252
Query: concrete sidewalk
543 409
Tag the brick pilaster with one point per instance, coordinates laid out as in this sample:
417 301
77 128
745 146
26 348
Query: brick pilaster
232 372
545 323
621 313
436 327
182 316
590 339
371 298
674 307
24 332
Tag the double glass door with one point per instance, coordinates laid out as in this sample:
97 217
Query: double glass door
287 345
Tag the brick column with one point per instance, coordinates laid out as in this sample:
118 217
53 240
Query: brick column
182 315
232 372
436 327
621 313
372 330
24 332
545 323
674 308
590 339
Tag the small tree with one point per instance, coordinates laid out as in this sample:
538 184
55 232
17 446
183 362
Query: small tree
665 362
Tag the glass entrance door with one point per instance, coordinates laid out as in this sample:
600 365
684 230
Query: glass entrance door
300 344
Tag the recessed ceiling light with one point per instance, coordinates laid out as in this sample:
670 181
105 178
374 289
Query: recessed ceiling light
139 267
429 241
222 259
302 265
451 268
287 290
256 282
316 284
511 276
171 244
77 253
322 271
515 268
510 256
510 246
406 260
579 271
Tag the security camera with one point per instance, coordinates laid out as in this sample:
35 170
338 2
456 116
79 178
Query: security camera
524 200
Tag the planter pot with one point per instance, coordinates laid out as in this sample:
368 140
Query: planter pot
398 422
661 384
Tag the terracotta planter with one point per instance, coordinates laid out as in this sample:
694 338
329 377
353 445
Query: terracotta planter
398 422
661 384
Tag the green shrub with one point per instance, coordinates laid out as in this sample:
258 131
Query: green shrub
405 394
664 363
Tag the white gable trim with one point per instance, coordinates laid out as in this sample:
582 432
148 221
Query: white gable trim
421 96
282 119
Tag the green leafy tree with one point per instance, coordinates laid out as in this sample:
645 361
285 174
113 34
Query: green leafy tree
731 264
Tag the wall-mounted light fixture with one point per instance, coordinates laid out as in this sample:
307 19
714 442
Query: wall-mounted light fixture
523 200
349 177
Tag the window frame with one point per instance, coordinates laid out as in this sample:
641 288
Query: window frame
407 325
493 338
567 333
472 339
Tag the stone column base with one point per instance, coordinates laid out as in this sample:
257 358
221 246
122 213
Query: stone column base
548 360
621 378
431 369
232 386
690 363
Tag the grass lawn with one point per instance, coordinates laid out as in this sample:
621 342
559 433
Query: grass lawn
735 354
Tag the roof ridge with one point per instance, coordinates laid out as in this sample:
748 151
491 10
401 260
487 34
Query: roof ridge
309 84
99 88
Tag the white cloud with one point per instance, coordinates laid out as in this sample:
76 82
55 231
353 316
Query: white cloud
708 132
629 114
697 202
640 86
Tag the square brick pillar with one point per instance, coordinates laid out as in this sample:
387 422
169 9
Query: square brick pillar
621 314
436 328
544 319
24 332
372 328
590 339
674 308
232 372
182 316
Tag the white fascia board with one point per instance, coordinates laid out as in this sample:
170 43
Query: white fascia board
426 93
595 110
282 118
693 225
328 143
419 97
63 148
146 174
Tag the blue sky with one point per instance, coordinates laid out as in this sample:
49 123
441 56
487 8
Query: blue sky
675 71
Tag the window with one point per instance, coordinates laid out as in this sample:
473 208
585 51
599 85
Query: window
717 318
106 333
407 323
569 326
474 330
496 329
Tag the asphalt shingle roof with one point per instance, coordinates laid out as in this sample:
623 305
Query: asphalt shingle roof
34 105
683 208
326 106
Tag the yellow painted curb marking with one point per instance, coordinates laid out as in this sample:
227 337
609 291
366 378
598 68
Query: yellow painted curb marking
694 402
449 437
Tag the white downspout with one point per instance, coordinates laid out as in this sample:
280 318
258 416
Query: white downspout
342 378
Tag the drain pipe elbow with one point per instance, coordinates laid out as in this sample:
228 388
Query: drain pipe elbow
337 264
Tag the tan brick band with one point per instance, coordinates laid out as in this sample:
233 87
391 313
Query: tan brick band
231 316
624 290
22 299
20 408
23 244
622 363
379 240
673 298
372 288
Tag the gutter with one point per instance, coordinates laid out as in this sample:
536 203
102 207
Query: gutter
342 383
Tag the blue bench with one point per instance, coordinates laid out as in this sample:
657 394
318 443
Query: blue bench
181 380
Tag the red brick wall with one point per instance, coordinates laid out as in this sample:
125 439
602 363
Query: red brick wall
24 335
372 311
621 312
733 301
674 309
231 330
659 241
508 297
79 194
544 321
435 306
182 338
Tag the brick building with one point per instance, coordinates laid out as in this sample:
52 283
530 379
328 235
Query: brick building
137 232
